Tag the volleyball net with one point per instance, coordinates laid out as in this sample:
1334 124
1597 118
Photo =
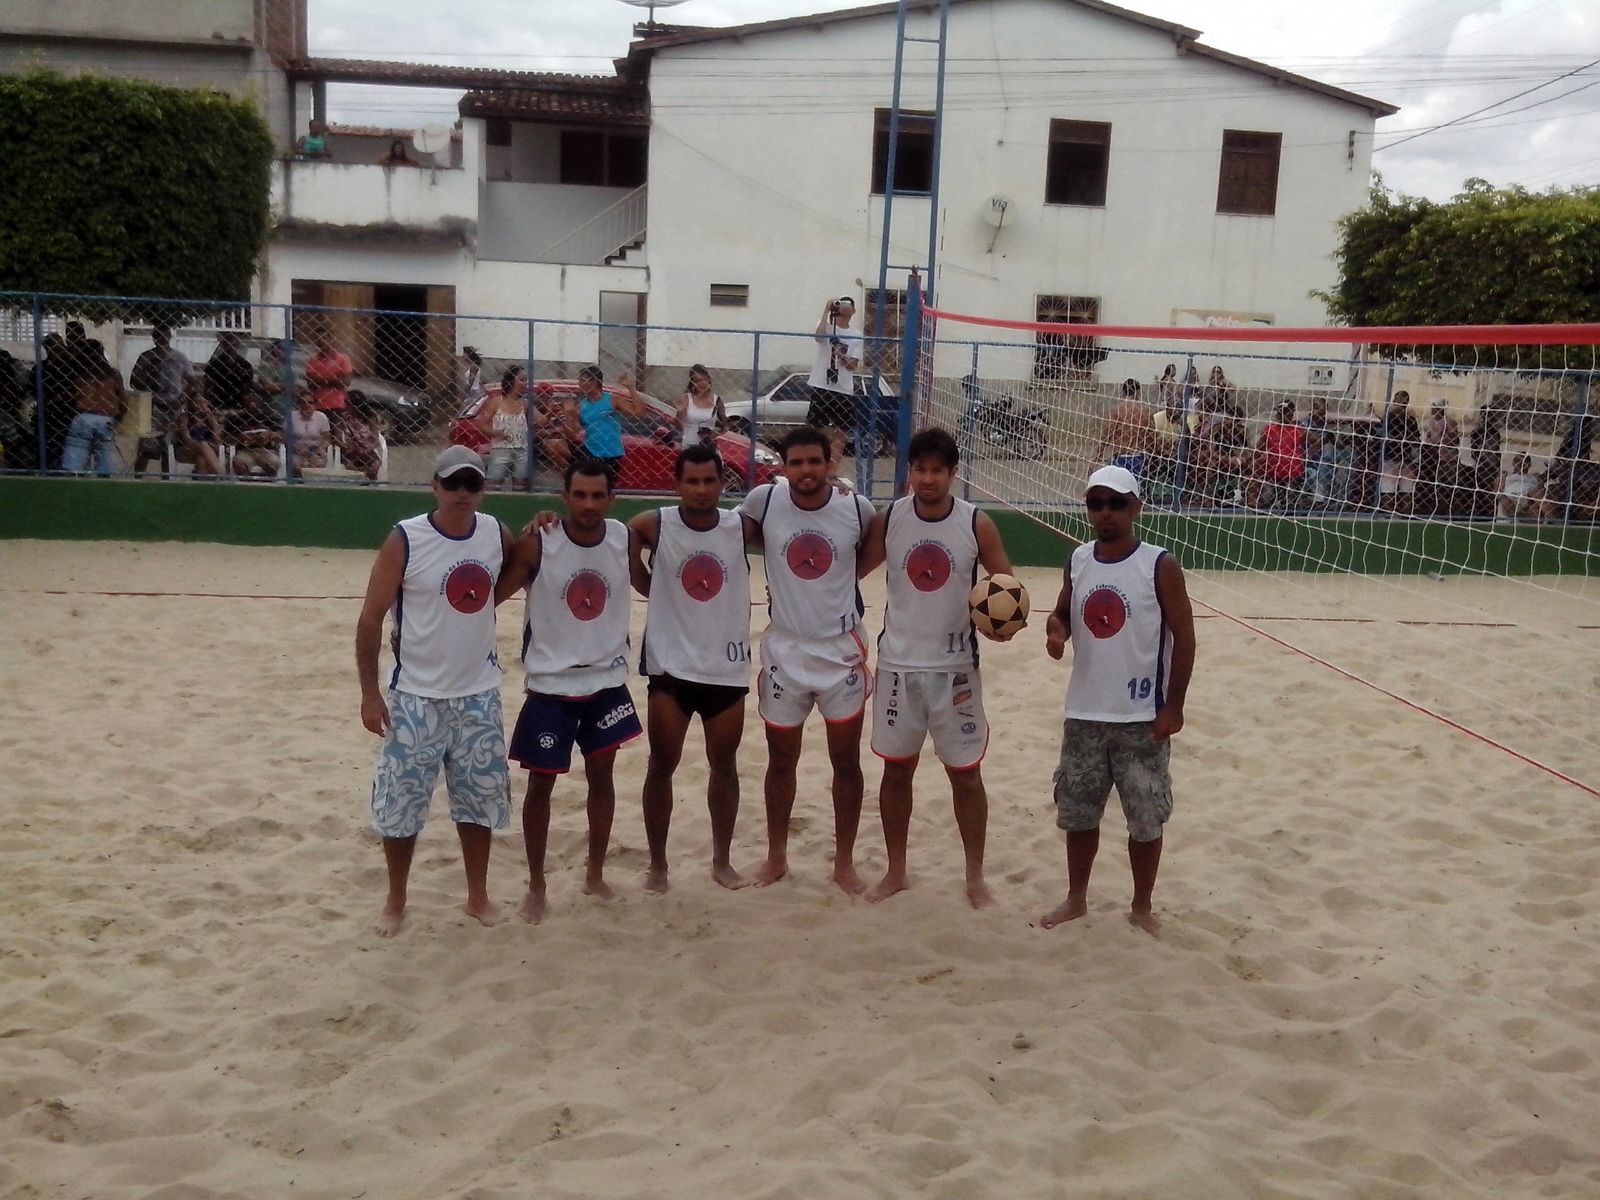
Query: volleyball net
1415 508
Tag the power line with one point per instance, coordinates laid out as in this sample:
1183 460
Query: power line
1487 107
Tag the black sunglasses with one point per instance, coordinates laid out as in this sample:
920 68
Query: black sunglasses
1101 503
469 481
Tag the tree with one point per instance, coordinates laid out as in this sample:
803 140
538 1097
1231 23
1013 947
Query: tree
1489 256
119 187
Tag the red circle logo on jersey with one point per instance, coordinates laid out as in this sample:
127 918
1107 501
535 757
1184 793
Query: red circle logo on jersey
468 587
928 566
809 555
1105 612
702 577
586 595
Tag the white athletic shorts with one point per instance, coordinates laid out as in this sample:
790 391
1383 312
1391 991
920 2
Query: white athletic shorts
909 705
797 675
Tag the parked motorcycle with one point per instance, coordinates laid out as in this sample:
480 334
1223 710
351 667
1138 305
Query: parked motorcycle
1007 426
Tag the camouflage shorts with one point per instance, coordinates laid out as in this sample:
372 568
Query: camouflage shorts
1097 754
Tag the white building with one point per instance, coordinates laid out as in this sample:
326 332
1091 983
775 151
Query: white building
731 179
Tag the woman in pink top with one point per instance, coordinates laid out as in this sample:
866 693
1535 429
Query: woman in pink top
328 375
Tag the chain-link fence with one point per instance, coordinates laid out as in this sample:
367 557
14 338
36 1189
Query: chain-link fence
318 393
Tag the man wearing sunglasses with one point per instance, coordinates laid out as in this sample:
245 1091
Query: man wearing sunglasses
436 574
1124 606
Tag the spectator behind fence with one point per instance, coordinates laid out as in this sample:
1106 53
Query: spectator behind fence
92 435
1322 454
309 434
700 415
1279 464
228 374
315 143
592 417
1522 491
255 431
1127 433
327 374
1437 457
472 382
199 433
163 372
360 441
1167 424
550 428
275 374
505 419
1219 388
1399 443
17 445
397 155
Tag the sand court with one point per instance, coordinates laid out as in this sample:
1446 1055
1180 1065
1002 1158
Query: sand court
1377 975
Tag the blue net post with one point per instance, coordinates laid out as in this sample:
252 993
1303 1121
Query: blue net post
532 414
910 359
41 443
755 416
1180 472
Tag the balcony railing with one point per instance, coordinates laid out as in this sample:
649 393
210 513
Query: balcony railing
440 201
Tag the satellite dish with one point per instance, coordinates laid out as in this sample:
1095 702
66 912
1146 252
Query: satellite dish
431 141
652 5
995 209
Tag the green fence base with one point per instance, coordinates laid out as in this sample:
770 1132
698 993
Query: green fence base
358 518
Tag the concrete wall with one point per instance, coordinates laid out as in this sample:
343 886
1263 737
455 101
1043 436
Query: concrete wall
766 180
523 222
167 21
356 194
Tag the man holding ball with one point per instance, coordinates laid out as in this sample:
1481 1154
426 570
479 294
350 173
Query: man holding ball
927 678
1125 608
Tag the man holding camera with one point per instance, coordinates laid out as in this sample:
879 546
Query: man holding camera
833 374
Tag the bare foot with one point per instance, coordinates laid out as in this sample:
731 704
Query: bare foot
849 882
727 877
891 883
486 914
596 886
769 872
531 909
1145 920
1069 909
979 895
388 922
655 880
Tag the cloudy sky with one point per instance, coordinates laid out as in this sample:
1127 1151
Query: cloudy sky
1529 63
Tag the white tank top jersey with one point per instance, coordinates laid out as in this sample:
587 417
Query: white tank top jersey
1121 650
443 636
810 559
698 623
696 419
930 569
575 620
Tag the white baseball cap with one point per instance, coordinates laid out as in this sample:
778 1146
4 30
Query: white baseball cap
1116 479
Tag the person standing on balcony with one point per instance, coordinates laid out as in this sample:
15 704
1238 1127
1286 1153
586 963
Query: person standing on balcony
592 417
315 143
398 155
328 375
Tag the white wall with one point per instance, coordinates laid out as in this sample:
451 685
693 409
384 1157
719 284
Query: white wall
365 194
206 21
521 222
764 178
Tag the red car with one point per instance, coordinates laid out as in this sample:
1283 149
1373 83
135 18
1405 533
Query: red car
649 443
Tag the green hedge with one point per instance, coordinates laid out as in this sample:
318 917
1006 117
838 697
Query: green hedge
118 187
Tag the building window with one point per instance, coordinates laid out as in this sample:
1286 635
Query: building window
1061 356
1075 171
497 131
730 295
913 164
599 159
1248 180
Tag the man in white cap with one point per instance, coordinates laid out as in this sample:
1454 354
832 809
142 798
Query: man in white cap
436 575
1125 608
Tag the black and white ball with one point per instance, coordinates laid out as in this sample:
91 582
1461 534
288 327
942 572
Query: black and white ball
999 606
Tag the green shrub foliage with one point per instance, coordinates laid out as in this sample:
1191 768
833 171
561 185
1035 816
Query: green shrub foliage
117 187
